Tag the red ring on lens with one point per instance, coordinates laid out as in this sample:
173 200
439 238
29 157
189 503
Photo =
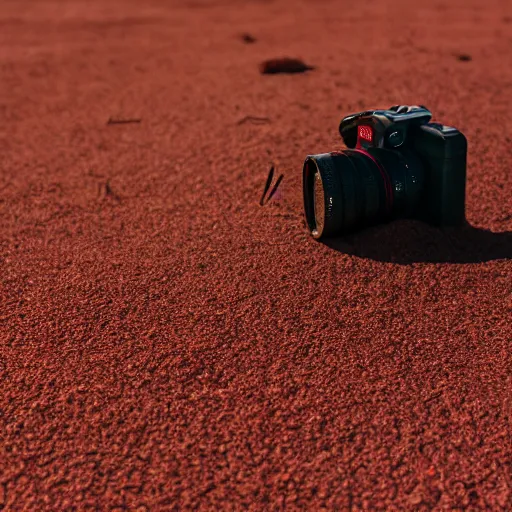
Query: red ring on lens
387 181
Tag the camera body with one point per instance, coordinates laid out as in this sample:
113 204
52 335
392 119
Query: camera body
440 149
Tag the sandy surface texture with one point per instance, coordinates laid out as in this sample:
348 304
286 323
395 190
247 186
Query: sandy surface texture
166 343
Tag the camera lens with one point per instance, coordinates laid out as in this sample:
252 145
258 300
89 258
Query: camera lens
318 199
347 189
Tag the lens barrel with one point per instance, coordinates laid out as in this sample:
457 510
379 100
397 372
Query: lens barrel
353 188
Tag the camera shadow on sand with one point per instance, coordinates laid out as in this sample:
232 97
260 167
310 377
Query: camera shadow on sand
407 241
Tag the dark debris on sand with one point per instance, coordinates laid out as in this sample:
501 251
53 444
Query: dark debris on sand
248 38
284 65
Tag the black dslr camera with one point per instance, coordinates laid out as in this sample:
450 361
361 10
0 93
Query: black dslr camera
398 165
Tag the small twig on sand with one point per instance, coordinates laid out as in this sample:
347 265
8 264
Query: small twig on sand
254 120
433 397
109 192
267 185
274 190
123 121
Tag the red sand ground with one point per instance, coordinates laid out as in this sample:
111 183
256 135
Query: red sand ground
167 343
